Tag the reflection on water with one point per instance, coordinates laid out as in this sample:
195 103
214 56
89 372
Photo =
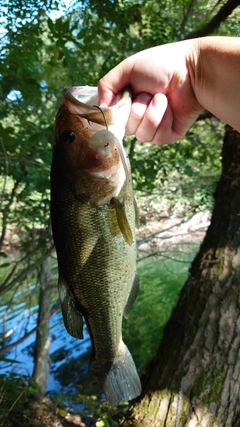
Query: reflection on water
20 321
161 279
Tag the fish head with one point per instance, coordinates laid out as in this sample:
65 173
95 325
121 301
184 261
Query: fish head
88 146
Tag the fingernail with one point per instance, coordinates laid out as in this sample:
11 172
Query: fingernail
143 98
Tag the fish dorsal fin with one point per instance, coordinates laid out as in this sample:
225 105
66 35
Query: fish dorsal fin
123 221
73 320
132 296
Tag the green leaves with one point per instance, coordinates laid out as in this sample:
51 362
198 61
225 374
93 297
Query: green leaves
15 390
183 172
3 255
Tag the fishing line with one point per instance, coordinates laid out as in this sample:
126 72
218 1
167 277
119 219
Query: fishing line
185 336
105 120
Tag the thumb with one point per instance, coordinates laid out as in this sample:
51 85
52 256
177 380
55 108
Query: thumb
114 81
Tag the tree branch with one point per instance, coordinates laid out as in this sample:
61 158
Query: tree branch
5 212
25 159
188 14
6 285
216 21
132 148
20 340
5 158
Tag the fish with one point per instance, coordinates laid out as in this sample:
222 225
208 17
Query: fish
94 216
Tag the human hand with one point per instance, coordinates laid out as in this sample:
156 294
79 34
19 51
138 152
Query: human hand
161 78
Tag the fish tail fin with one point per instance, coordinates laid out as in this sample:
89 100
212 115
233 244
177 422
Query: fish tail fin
121 383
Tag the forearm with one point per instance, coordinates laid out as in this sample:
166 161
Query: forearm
216 77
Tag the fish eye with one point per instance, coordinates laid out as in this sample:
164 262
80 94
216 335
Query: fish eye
68 136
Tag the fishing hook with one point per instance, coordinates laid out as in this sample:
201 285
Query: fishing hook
105 120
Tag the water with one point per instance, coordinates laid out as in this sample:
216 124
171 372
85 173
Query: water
18 321
161 279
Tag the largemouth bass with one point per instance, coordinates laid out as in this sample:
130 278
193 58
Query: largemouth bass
93 220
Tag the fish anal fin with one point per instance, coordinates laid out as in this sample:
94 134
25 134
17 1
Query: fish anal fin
123 221
72 318
132 296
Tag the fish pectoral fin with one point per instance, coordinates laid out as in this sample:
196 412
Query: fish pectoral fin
72 318
132 296
123 221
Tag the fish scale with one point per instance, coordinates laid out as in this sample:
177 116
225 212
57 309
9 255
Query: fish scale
97 223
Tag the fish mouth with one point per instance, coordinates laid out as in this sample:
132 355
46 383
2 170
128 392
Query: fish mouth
79 95
83 100
88 95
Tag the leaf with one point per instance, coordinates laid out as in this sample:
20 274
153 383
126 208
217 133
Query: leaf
61 412
3 255
33 384
5 264
50 25
82 33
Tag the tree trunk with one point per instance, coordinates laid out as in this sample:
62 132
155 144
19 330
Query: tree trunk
195 378
42 344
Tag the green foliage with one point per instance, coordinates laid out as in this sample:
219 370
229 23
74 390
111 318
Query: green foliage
184 172
15 390
92 407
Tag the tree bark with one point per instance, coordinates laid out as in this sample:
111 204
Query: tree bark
194 378
42 344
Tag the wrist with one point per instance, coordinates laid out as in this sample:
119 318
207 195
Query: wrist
216 72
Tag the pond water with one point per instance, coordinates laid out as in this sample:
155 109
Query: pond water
161 279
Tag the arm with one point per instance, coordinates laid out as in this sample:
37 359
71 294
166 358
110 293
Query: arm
216 80
172 83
